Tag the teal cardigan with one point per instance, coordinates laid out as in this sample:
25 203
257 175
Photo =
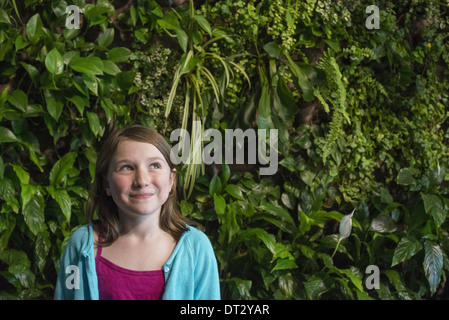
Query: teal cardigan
191 272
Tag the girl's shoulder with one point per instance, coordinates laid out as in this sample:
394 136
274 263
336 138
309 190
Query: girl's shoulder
196 238
82 237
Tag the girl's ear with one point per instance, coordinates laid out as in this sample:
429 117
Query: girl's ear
172 178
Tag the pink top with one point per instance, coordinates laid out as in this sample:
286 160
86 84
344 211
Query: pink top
117 283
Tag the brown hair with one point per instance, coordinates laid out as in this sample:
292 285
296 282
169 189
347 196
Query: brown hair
171 220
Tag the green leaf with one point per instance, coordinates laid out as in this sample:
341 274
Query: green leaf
307 176
125 79
18 99
277 211
284 264
4 17
61 168
91 82
264 118
23 176
215 186
6 135
383 223
225 174
284 103
106 38
316 285
79 102
42 248
20 43
434 207
27 193
234 191
65 203
119 54
34 28
110 67
357 281
33 212
89 65
405 177
204 24
183 39
219 203
16 260
385 196
32 71
54 62
54 107
433 264
302 80
98 14
94 123
407 248
169 21
267 238
7 193
273 50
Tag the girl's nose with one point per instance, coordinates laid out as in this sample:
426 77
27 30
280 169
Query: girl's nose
141 179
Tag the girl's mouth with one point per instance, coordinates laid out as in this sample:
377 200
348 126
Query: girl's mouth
142 195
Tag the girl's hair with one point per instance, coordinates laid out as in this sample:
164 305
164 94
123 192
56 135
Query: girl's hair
171 220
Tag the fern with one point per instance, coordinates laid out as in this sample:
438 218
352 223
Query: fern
335 88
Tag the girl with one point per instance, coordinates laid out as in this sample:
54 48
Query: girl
140 247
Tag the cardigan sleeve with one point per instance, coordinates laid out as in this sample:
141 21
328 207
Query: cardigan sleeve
206 278
76 277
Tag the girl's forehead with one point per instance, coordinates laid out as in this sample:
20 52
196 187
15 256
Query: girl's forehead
136 149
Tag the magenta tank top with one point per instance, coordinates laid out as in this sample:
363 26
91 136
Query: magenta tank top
117 283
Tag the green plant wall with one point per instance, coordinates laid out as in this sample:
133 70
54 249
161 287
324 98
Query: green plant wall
362 120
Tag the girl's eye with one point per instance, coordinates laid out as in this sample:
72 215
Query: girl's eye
125 168
155 165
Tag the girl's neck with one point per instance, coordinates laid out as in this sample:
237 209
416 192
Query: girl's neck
140 227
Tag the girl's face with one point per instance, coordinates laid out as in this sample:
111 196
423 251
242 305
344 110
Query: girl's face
139 178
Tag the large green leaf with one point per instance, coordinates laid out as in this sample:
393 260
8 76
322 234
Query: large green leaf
65 203
302 80
54 62
94 123
383 223
434 207
118 54
219 203
433 264
61 168
54 106
7 135
215 186
235 191
33 212
18 99
89 65
34 28
407 248
405 177
268 239
279 212
204 24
